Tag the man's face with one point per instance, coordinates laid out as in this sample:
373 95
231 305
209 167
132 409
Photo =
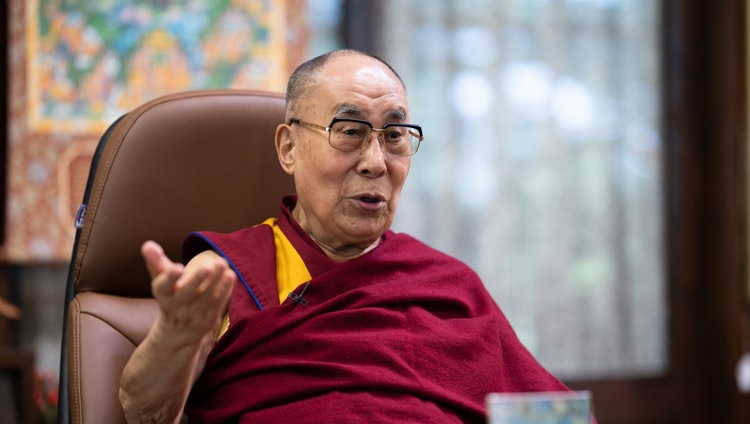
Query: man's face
347 200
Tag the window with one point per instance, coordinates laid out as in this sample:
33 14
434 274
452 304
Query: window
542 167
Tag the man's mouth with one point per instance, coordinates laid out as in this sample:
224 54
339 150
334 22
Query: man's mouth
367 199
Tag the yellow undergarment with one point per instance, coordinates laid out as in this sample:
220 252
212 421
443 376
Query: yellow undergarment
291 270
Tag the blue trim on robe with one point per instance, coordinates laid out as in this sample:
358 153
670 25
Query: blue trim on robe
234 268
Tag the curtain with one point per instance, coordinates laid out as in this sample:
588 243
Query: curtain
542 166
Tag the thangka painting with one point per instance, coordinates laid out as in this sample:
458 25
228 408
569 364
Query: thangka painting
91 61
78 65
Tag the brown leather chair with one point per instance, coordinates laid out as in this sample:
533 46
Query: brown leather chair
201 160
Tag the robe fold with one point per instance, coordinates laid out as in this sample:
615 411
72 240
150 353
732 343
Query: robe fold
403 333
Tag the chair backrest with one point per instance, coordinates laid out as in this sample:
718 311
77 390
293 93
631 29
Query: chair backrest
200 160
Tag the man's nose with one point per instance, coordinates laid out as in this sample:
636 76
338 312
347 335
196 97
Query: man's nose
374 155
379 142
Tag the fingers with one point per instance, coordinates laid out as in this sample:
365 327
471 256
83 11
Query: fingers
193 300
221 288
155 258
200 296
226 284
206 281
164 273
163 285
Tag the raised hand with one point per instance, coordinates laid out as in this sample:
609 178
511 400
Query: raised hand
191 298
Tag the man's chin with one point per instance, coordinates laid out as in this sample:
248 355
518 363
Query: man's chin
368 234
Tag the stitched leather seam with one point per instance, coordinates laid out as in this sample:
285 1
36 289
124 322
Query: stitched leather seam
76 331
91 314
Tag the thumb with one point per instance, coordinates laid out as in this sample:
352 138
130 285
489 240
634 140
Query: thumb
155 258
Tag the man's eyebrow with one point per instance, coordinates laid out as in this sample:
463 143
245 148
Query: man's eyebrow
398 114
349 110
355 112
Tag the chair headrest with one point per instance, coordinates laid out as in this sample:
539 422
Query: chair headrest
200 160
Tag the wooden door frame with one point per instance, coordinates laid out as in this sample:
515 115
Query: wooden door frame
706 122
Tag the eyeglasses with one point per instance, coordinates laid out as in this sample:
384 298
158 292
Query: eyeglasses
351 135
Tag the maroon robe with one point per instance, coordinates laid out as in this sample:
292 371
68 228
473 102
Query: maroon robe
401 334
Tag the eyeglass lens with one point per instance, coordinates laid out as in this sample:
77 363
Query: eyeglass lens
351 136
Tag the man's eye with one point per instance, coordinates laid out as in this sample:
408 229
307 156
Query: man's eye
349 129
353 132
394 136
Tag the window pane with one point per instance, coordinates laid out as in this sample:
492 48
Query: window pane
541 166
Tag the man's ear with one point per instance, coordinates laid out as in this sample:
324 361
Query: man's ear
285 148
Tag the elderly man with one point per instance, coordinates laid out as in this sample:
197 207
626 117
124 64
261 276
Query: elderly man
324 314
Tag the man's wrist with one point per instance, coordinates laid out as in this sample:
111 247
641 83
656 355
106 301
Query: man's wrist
173 337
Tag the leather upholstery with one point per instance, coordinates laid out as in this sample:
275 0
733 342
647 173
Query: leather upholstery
201 160
105 330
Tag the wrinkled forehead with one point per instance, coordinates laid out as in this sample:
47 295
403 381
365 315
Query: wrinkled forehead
358 87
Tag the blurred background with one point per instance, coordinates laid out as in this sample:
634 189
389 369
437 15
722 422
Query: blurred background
588 158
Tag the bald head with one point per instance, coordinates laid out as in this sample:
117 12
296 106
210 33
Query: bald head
305 77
